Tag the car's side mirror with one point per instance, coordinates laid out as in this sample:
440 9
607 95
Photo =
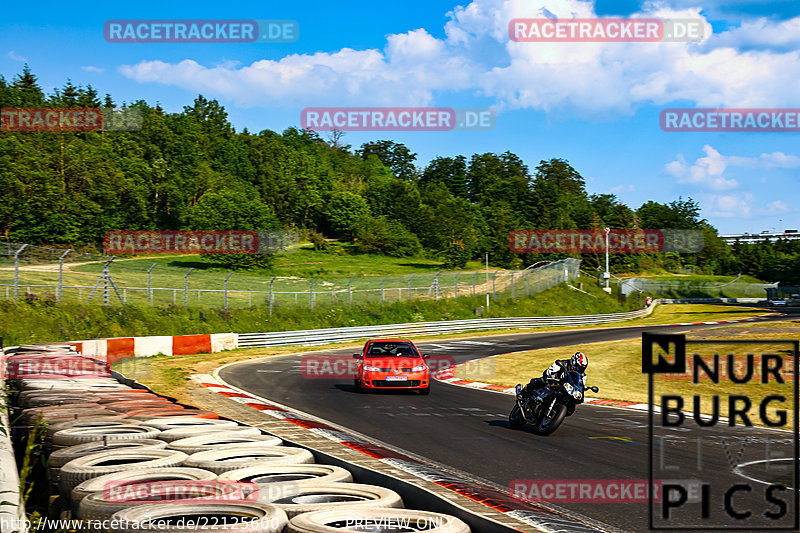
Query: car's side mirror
356 356
426 355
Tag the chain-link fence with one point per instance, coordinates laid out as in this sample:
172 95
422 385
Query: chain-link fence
31 271
695 288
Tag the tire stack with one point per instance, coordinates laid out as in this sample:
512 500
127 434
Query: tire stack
145 463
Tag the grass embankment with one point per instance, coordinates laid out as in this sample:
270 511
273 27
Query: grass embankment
339 261
168 375
616 367
289 279
43 320
303 262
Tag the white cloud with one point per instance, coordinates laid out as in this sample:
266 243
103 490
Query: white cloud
622 188
779 160
476 55
706 172
725 9
15 57
709 172
760 33
778 206
731 205
90 68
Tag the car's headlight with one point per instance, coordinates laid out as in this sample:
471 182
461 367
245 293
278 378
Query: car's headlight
568 388
419 368
370 368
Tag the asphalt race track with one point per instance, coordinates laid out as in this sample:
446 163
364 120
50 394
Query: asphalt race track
467 429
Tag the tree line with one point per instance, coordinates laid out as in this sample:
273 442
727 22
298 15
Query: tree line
193 170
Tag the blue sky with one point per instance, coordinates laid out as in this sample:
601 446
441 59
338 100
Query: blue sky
593 104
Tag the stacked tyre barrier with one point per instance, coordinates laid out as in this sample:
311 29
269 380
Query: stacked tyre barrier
124 459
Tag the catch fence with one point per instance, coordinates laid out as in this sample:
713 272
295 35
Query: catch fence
64 275
695 288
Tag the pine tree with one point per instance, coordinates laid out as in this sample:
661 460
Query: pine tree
68 96
27 87
88 97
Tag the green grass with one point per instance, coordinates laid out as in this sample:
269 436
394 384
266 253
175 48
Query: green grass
679 313
293 271
340 261
44 320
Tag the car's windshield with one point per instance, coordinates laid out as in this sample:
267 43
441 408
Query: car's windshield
391 349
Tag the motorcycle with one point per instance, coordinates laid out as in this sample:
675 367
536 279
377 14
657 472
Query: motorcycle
547 407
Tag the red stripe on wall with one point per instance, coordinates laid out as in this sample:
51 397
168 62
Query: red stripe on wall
191 344
119 349
78 346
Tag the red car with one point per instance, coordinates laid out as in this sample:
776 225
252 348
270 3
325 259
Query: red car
391 364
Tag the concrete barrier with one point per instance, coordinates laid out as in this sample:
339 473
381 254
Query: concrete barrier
118 349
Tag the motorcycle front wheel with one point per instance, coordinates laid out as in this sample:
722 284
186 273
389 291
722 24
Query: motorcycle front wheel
551 423
515 418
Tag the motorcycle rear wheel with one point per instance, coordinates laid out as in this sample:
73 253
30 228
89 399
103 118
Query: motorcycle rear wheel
554 421
515 418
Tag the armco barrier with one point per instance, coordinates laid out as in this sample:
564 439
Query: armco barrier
330 335
117 349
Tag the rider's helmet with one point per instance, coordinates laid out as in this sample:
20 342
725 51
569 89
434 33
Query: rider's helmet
580 362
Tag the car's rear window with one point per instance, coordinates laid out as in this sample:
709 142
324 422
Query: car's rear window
391 349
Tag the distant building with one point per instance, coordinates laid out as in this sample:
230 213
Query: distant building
751 238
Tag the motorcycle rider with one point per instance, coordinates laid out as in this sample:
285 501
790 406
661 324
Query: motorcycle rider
556 372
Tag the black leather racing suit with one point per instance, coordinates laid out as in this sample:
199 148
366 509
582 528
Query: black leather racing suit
556 372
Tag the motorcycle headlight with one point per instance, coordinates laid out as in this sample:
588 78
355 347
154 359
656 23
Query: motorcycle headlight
419 368
568 388
370 368
577 394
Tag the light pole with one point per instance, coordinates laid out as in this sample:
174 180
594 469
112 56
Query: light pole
607 274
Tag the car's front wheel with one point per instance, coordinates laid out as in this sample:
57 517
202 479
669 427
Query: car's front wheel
425 391
357 386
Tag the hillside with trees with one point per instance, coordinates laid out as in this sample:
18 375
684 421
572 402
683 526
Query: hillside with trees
193 170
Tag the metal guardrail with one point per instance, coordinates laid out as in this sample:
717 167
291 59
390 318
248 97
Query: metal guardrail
331 335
